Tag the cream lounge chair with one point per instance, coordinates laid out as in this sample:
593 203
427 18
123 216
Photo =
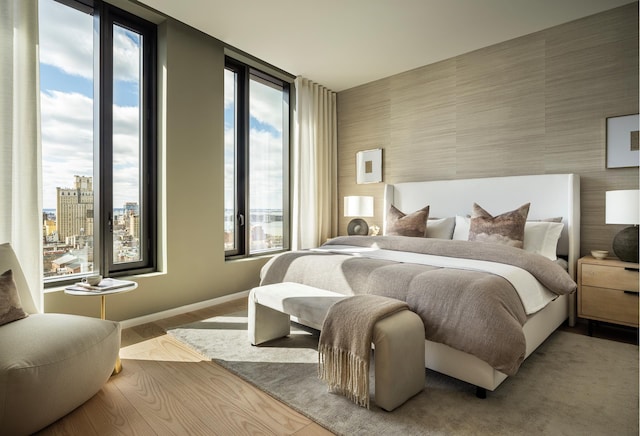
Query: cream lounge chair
50 363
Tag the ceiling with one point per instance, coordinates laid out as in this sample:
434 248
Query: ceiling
345 43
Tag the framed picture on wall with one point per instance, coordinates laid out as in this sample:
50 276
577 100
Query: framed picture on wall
369 166
622 141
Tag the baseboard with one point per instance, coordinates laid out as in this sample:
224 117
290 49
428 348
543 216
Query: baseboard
182 309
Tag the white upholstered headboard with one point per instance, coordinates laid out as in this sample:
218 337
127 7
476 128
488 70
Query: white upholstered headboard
550 195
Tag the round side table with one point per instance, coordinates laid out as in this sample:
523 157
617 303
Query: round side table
130 286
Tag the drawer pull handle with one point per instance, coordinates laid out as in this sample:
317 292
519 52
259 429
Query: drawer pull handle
631 292
631 269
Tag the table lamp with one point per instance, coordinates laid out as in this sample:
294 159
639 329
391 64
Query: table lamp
622 208
358 206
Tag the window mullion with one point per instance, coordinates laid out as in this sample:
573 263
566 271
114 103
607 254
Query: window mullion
105 161
243 160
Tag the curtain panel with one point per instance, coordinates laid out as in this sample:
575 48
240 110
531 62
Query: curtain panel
20 152
314 159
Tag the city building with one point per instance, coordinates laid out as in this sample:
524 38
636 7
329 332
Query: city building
74 209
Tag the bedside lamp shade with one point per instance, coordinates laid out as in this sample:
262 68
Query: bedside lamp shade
622 207
359 206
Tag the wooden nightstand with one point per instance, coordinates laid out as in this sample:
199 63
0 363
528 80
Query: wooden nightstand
608 291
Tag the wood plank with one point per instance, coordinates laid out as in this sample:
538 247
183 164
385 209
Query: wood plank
237 406
166 387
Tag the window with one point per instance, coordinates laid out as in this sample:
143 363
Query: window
256 161
98 100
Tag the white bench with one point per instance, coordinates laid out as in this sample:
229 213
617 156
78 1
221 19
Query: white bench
398 339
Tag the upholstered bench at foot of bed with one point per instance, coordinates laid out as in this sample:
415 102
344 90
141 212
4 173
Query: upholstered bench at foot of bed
398 339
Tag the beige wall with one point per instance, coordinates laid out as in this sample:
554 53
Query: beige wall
191 141
533 105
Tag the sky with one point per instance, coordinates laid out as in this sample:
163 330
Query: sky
66 82
66 100
265 135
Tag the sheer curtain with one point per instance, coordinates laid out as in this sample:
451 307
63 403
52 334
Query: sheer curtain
315 210
20 163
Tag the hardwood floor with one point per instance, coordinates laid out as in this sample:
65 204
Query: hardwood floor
165 388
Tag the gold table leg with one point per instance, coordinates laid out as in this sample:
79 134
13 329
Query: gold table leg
103 313
118 367
103 307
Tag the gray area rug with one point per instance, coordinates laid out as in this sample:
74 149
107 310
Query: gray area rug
571 385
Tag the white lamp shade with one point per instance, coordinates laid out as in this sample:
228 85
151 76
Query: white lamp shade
622 207
358 206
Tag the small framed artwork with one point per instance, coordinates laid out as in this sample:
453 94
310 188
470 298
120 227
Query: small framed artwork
369 166
622 141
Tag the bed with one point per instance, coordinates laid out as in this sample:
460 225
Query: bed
552 197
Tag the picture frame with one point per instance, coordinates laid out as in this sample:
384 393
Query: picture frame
369 166
622 141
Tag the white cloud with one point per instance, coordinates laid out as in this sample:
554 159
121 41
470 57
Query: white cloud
125 185
265 170
229 168
126 135
266 148
229 88
126 55
69 47
67 145
67 141
67 117
266 105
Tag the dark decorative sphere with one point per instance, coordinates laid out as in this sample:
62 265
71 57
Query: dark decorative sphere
357 226
625 244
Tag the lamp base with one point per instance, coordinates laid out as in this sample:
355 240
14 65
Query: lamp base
358 226
625 244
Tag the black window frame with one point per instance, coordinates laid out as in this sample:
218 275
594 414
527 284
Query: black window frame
105 16
242 239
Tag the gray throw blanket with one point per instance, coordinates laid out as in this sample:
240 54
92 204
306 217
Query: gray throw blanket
345 343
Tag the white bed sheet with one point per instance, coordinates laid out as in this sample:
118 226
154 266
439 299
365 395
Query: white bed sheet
532 293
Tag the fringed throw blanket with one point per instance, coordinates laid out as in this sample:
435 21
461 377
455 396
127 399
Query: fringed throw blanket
345 343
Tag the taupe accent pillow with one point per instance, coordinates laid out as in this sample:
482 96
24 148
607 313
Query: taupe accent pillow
401 224
10 305
506 228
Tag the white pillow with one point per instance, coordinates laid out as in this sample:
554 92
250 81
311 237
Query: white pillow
440 228
539 236
542 237
461 231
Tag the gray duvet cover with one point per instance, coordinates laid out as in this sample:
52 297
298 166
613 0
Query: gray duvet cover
475 312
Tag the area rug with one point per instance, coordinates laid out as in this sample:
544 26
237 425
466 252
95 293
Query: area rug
571 385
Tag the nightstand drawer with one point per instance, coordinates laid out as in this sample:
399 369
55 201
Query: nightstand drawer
609 277
609 305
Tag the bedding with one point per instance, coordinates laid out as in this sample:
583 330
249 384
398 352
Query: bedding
440 228
540 236
401 224
506 228
471 310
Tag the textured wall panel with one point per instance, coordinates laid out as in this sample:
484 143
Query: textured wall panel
533 105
